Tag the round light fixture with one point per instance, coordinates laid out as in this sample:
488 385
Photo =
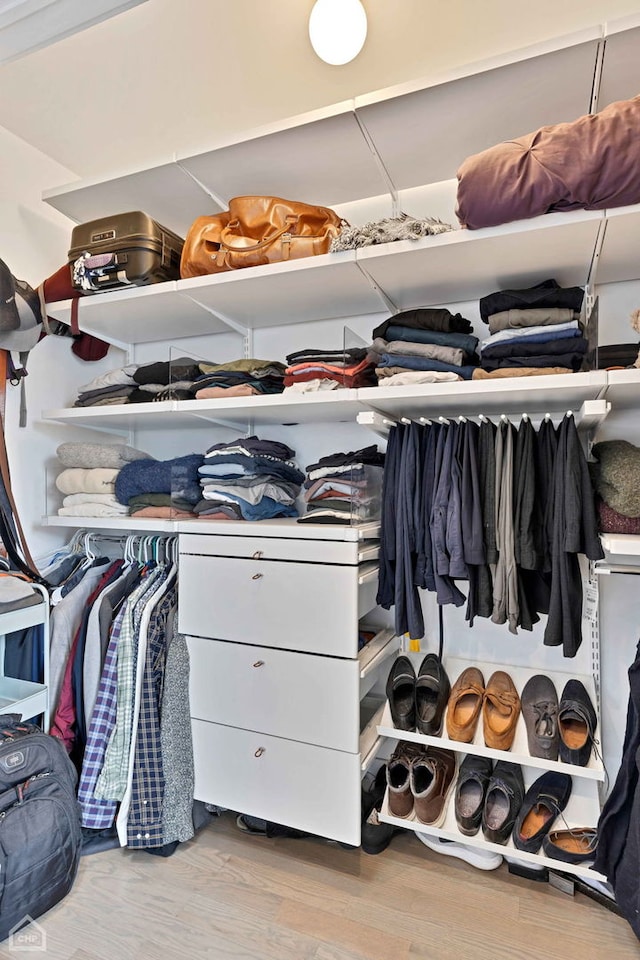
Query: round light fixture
337 30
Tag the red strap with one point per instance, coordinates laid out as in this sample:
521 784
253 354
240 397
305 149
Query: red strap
75 327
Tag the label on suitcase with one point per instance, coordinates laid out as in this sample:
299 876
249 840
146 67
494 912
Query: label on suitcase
127 249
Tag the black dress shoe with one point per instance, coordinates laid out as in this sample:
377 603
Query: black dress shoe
401 694
375 835
576 724
575 845
432 693
544 800
540 712
505 794
471 792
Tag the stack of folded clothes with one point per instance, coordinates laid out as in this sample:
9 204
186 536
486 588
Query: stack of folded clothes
533 331
110 388
163 489
616 477
312 370
344 487
16 593
248 479
89 478
614 356
423 346
166 380
239 378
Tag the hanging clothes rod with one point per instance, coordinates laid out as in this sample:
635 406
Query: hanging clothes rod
588 417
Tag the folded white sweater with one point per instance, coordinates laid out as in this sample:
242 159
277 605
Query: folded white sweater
78 480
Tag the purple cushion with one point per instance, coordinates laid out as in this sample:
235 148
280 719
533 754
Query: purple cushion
590 164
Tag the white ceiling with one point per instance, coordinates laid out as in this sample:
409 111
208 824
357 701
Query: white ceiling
102 101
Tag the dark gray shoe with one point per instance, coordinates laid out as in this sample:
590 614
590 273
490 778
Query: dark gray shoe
504 799
471 791
540 712
576 724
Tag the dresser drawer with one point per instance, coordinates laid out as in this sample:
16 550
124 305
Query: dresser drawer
300 696
295 784
311 607
277 548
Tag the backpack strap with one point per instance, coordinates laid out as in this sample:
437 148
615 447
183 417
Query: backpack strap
4 466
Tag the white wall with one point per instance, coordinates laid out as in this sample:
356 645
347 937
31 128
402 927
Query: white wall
33 242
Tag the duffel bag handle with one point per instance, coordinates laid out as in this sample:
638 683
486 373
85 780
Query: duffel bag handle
290 220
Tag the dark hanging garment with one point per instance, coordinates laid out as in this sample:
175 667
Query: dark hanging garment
387 562
446 590
408 609
575 530
428 489
618 852
527 521
479 598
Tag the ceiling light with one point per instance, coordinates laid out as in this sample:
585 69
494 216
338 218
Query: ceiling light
337 30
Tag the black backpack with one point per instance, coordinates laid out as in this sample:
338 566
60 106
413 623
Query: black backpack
40 833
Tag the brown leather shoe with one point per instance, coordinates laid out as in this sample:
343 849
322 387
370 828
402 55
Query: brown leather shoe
500 711
432 778
465 704
399 778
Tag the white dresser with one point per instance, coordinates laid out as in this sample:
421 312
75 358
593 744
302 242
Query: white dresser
282 724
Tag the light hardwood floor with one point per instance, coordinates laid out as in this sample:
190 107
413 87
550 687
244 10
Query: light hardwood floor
229 896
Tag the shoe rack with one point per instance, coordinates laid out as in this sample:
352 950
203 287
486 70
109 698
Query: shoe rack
583 808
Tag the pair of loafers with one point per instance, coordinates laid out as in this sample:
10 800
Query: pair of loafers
418 701
564 729
498 702
494 797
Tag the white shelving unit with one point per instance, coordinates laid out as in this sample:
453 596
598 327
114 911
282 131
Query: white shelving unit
23 696
519 752
582 810
552 394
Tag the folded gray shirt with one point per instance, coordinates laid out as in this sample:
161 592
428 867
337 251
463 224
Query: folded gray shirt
533 317
110 455
430 351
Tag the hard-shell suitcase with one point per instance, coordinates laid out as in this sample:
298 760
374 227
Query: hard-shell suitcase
126 249
40 833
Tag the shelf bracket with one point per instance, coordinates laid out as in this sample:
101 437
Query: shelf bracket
376 421
220 203
384 173
388 302
232 324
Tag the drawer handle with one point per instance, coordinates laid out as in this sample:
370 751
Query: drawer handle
259 663
259 752
258 555
257 576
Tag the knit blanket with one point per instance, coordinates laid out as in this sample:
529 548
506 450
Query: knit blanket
387 230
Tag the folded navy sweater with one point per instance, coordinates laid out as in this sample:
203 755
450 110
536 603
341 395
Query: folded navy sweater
160 476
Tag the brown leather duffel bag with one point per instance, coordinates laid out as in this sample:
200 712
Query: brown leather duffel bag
255 231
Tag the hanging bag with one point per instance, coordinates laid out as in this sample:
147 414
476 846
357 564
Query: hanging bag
255 231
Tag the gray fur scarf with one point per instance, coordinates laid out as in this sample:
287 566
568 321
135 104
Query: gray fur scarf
403 227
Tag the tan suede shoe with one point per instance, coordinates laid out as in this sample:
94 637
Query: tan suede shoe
465 704
500 711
